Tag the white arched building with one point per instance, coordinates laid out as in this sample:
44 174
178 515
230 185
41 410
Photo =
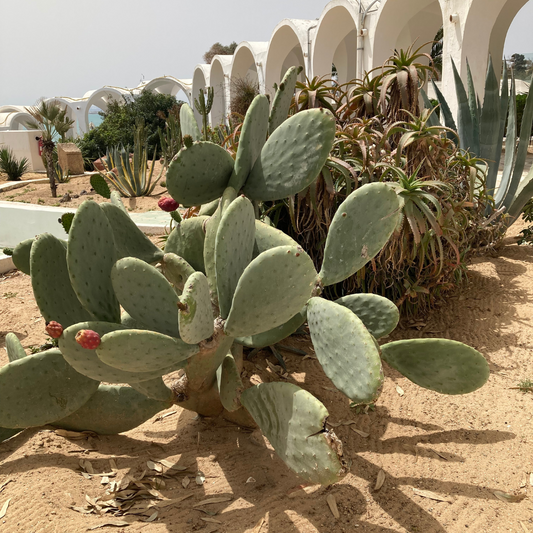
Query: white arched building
354 35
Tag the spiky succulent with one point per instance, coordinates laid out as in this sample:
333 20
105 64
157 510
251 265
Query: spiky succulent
223 282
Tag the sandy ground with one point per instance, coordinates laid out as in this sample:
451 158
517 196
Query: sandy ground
461 448
39 193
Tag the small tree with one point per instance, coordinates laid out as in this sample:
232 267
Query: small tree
219 50
53 123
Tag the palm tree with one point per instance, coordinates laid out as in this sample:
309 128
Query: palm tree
53 123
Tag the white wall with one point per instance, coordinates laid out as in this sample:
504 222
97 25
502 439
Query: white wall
23 144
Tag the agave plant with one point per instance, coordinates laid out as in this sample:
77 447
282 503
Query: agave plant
481 130
13 167
130 175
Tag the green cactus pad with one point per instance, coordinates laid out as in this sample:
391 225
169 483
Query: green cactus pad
252 139
146 295
209 209
275 335
21 255
379 315
268 237
230 384
86 362
66 221
14 348
273 288
90 257
293 420
187 241
282 99
42 388
51 283
135 350
130 241
196 322
234 247
445 366
188 123
7 433
199 174
112 409
293 156
154 389
360 228
176 270
129 322
211 229
346 350
116 200
100 186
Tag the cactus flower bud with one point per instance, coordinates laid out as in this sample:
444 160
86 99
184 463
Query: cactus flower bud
168 204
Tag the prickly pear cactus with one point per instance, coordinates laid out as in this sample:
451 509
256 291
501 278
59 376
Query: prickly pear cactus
223 281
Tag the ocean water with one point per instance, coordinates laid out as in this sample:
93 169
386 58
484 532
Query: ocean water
95 118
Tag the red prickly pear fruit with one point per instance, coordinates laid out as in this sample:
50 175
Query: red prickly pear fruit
168 204
54 329
88 339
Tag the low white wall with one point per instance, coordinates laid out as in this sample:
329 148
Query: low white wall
23 144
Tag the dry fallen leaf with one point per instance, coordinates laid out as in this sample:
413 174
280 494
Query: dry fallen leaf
161 417
210 520
154 466
399 390
3 511
526 530
508 498
332 503
432 496
361 433
113 465
185 482
121 523
380 480
75 435
215 500
250 480
3 485
152 517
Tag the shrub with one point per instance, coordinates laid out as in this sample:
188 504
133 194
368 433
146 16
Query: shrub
11 166
243 92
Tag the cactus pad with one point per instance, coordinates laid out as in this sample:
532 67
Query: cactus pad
277 334
346 350
176 270
267 237
112 409
230 384
272 289
135 350
196 320
86 362
90 257
445 366
14 348
51 283
379 315
187 241
293 420
188 123
252 138
234 247
293 156
100 186
146 295
21 255
209 209
282 99
130 241
154 389
361 226
199 174
42 388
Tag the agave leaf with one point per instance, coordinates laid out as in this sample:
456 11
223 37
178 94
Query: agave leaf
449 122
474 111
489 118
464 118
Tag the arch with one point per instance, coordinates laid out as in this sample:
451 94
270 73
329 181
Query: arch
398 27
75 111
485 29
200 80
219 80
99 98
248 62
169 85
12 118
288 44
336 41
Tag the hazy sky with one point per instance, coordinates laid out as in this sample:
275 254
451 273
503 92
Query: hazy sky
65 48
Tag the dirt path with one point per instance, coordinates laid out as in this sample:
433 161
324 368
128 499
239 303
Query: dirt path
462 448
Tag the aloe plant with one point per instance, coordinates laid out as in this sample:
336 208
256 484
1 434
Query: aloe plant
481 129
